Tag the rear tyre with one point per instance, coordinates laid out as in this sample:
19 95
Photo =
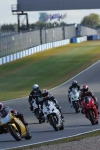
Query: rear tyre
29 135
62 126
97 122
15 133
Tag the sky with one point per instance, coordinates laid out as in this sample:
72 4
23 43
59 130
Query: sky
73 16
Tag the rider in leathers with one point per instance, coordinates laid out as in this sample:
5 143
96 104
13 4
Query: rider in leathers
4 109
85 92
47 96
34 98
34 95
74 85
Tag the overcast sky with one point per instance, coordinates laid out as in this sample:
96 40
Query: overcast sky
73 16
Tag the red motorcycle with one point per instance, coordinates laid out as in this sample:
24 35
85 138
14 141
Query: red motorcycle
90 110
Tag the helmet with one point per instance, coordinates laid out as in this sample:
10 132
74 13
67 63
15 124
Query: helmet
44 92
85 88
74 83
35 87
1 106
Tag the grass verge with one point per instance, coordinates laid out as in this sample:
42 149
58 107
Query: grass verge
61 141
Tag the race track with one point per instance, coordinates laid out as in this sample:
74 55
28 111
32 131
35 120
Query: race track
74 123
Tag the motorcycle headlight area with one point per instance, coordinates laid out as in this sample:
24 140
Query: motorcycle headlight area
5 119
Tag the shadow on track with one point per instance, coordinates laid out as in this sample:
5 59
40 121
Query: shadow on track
43 131
69 113
7 141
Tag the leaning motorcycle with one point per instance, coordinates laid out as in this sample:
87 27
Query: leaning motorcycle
37 110
14 126
74 99
90 110
52 115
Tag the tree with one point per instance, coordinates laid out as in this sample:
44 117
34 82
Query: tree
7 28
40 24
92 20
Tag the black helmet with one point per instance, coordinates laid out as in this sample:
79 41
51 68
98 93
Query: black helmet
35 87
85 88
74 83
1 106
44 92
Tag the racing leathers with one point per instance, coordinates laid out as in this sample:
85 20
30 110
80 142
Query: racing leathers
34 96
34 99
89 93
71 88
14 113
52 98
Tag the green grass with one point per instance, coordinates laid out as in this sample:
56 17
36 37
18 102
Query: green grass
61 141
47 68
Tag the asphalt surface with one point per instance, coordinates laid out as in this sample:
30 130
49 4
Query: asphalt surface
74 123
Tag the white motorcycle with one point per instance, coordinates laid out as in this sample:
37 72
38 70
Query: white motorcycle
52 115
74 99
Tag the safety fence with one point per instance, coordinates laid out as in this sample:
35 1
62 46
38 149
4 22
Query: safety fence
36 49
16 42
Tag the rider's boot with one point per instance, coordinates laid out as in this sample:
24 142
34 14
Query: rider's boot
31 108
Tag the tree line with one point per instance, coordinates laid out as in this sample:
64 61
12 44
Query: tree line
92 21
37 25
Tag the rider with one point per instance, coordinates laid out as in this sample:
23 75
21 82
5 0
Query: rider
34 98
47 96
14 113
74 85
85 92
34 95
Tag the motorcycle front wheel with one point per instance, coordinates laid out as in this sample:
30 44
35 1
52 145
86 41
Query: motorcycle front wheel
53 122
76 106
15 133
91 117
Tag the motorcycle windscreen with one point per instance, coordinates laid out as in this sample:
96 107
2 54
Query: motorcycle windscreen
5 120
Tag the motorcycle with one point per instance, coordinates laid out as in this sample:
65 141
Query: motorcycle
14 126
90 110
38 112
74 100
52 115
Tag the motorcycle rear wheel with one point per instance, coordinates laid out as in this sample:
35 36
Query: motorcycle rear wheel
15 133
29 135
62 126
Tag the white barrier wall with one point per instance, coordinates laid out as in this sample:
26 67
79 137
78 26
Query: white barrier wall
36 49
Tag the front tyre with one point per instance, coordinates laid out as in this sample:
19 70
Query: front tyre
91 117
53 122
76 106
15 133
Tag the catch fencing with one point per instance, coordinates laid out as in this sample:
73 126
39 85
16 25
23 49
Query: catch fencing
17 42
86 31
